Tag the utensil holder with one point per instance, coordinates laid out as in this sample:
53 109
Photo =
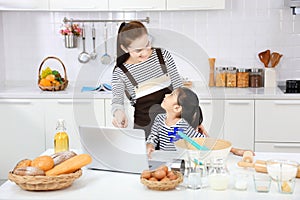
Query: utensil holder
71 41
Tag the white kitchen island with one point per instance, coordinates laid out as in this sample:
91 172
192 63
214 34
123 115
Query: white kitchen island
110 185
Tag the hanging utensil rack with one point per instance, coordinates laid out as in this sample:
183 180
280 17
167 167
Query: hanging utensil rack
66 20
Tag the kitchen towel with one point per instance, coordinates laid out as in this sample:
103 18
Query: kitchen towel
102 87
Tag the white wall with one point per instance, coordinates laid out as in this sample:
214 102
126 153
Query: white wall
2 67
234 36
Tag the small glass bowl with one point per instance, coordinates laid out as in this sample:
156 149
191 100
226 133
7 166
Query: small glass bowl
286 187
262 182
283 170
241 181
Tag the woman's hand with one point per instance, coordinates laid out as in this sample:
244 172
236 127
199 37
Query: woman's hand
150 149
120 119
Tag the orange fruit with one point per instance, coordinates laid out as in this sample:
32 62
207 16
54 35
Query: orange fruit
50 77
44 82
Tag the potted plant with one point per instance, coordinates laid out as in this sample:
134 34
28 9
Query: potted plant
70 32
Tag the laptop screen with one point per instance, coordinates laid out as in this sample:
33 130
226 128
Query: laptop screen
115 149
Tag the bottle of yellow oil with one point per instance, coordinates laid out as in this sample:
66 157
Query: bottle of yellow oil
61 138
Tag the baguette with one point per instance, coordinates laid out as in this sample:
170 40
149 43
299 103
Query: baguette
70 165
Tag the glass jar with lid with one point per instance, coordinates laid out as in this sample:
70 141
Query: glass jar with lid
243 77
220 77
256 78
231 77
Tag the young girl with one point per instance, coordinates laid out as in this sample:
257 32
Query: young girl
182 112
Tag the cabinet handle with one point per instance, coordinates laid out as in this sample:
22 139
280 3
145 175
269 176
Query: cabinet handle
286 145
138 8
205 102
70 101
287 102
195 8
16 101
239 102
73 8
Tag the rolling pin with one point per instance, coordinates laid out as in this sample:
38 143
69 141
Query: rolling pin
260 166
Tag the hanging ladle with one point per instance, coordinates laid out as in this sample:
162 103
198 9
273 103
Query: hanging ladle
105 59
93 54
83 57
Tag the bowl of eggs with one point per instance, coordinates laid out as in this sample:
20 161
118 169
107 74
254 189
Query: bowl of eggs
161 178
216 148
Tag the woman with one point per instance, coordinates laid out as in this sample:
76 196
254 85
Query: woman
144 74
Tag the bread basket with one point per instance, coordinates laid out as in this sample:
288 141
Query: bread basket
64 83
44 183
163 185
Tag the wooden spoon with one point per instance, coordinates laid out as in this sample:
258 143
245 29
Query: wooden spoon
275 58
265 57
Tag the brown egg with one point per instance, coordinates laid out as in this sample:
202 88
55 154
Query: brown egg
159 174
166 179
153 179
170 173
164 167
146 174
173 177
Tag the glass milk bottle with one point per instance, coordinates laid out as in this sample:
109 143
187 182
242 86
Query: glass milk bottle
218 175
61 138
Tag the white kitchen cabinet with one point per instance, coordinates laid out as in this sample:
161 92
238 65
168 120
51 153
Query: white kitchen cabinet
207 107
24 5
128 109
277 120
239 123
78 5
22 132
136 5
75 112
195 4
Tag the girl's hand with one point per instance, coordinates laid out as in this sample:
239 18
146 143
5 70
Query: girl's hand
202 130
120 119
150 149
239 152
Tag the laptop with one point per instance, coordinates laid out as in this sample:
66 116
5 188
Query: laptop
116 149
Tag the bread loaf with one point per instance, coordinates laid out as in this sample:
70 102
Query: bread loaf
29 171
23 163
43 162
62 156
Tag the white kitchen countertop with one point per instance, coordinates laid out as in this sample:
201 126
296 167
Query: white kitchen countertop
32 91
111 185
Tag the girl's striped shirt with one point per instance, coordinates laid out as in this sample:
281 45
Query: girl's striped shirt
159 132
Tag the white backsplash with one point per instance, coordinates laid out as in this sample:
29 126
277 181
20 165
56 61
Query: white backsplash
234 36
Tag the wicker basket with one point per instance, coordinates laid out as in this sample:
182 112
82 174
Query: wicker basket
64 83
44 183
165 185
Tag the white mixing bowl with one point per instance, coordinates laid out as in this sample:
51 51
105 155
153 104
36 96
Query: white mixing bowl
218 148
